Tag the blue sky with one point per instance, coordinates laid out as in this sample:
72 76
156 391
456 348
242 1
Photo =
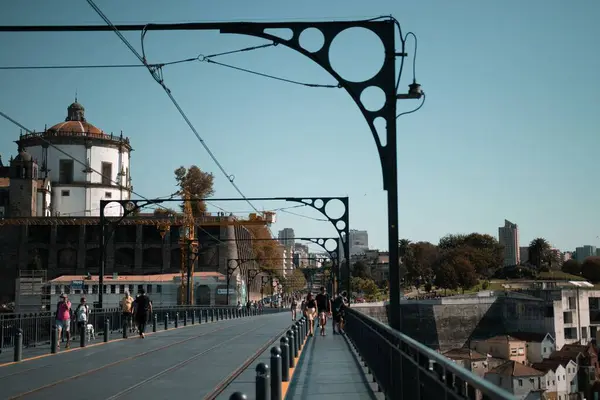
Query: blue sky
509 129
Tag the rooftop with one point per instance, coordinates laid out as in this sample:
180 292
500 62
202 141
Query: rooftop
464 354
135 278
515 369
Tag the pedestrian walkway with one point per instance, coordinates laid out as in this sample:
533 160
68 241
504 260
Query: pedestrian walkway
329 369
194 359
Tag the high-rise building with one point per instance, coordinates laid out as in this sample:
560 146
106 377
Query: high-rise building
524 254
359 242
286 237
508 236
584 252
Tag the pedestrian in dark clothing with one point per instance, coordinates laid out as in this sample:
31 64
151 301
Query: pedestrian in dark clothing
143 309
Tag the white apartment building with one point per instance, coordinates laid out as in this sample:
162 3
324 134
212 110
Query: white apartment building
508 236
359 242
584 252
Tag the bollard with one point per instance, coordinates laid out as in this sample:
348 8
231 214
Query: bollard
125 330
18 345
238 396
193 317
166 321
82 334
154 323
176 319
275 373
53 339
291 345
185 316
298 334
263 382
106 329
212 315
206 316
296 340
285 363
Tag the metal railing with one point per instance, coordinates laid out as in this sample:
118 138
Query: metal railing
405 369
37 328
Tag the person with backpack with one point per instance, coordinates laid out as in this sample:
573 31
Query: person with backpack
339 305
82 316
127 311
63 320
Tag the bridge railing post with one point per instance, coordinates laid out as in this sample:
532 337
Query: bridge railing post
106 330
238 396
177 320
18 356
166 321
154 322
285 364
291 345
54 339
276 373
82 333
263 382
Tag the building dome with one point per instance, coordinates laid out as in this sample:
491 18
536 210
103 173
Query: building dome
75 123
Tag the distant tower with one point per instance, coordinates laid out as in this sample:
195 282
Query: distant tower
22 193
508 236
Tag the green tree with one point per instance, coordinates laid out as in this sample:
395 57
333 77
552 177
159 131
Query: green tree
164 212
539 252
445 276
370 290
361 270
294 282
465 273
590 269
423 256
571 266
197 184
484 252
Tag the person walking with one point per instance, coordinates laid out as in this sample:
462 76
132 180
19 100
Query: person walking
63 320
324 308
82 314
339 307
143 309
311 313
127 311
294 308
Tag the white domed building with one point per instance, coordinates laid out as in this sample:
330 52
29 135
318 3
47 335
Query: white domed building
77 188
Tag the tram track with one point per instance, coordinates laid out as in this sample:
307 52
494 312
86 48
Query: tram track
122 361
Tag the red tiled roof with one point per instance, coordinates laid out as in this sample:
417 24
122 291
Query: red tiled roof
135 278
4 182
77 127
513 368
464 354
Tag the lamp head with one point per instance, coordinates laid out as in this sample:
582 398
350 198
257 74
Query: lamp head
414 92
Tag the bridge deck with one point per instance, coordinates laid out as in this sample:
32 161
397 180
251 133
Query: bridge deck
194 360
329 369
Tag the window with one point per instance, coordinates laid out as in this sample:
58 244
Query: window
521 351
149 289
572 303
584 332
106 173
544 349
113 289
520 382
568 317
65 193
95 289
158 288
108 195
513 351
121 288
140 288
65 171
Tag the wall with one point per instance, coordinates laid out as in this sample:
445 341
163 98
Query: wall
448 323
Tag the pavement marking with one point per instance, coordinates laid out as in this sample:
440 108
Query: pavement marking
103 343
88 372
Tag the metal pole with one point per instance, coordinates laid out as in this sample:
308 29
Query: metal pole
188 294
276 373
18 356
285 363
102 255
263 382
228 280
391 184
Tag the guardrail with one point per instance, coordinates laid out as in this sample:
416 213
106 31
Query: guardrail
406 369
37 329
